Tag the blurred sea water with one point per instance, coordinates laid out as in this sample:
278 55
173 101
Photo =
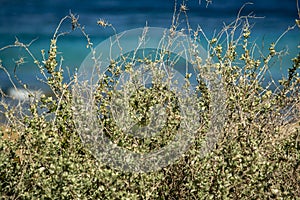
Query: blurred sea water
35 19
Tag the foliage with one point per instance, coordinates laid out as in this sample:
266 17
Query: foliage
257 154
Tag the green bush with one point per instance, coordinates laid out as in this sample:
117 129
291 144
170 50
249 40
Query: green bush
256 156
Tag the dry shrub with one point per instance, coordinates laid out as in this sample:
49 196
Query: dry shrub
256 156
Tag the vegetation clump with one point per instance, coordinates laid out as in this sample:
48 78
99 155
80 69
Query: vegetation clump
256 155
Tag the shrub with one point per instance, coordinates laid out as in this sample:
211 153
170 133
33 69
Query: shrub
256 155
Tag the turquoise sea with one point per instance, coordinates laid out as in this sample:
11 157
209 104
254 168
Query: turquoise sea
34 19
